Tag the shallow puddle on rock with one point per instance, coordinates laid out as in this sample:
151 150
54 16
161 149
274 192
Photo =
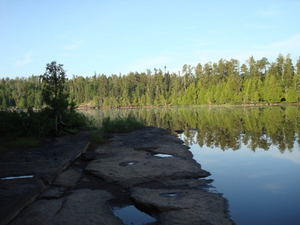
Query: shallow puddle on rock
128 163
173 194
17 177
131 215
163 155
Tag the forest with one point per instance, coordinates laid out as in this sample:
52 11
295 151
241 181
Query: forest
218 83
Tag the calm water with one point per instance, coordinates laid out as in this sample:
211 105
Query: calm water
253 155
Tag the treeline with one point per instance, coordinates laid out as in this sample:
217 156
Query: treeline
222 82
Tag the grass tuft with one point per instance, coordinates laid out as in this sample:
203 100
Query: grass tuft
96 137
122 125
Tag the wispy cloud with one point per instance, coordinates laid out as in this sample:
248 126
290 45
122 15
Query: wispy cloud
274 188
192 27
75 44
256 26
27 58
290 43
70 55
272 11
290 156
259 174
149 63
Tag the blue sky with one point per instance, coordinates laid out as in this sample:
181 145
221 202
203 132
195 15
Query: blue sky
119 36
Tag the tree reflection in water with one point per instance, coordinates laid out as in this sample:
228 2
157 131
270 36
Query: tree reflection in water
223 127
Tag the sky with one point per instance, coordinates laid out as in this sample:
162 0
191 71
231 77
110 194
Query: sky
122 36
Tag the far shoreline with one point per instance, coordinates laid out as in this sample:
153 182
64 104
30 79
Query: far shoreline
89 107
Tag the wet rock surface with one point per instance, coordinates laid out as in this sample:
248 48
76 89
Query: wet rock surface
125 171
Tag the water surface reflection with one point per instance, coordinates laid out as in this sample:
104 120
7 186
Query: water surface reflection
252 153
262 186
222 127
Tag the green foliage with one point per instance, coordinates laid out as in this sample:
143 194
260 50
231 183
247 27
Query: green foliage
53 92
54 95
37 123
77 120
96 137
22 93
24 124
274 94
218 83
121 125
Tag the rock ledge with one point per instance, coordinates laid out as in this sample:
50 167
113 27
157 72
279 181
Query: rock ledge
149 168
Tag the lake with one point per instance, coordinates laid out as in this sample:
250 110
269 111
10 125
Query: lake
252 153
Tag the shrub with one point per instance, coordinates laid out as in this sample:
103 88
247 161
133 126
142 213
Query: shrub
37 123
121 125
24 124
77 120
96 137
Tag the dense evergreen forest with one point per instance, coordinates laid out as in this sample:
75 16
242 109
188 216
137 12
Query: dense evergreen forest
222 82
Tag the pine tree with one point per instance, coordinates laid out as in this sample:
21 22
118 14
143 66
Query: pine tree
53 82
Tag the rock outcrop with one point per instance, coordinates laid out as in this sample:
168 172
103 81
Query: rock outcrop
26 173
162 176
148 168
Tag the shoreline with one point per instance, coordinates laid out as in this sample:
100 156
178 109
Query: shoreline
89 107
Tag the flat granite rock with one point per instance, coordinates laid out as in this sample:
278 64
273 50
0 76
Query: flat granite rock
149 168
16 194
53 192
167 183
179 206
68 178
129 161
136 167
42 163
83 206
